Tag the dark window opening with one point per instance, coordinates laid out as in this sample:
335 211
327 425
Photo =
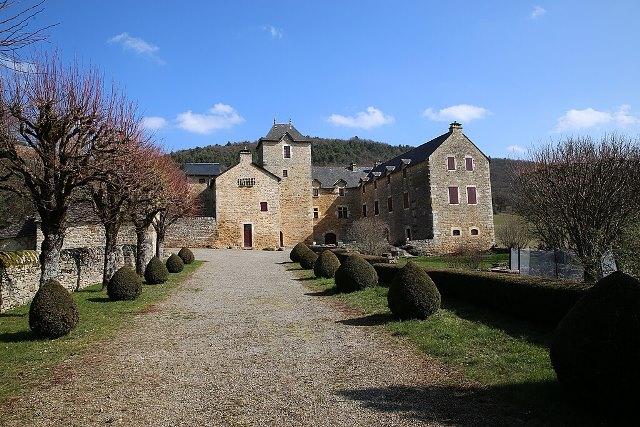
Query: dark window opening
201 181
474 231
390 204
453 195
451 163
341 191
405 200
364 210
287 151
468 163
455 232
472 197
376 208
285 173
264 207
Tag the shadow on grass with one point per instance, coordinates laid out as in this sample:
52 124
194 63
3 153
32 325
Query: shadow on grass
99 299
304 279
325 293
541 403
370 320
89 290
13 314
517 328
18 336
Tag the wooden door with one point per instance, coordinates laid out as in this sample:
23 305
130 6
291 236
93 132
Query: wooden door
248 236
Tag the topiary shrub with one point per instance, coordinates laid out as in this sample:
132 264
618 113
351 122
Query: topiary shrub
186 255
595 349
308 259
174 264
326 265
156 272
53 312
386 272
125 284
355 274
412 293
297 251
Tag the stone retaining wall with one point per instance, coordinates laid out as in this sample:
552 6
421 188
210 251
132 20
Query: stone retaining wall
195 232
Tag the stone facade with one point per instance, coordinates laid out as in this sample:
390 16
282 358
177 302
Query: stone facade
194 232
333 213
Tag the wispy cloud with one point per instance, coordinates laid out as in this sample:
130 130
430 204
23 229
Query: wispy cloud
274 32
220 116
516 149
460 112
154 122
537 12
589 117
368 119
137 45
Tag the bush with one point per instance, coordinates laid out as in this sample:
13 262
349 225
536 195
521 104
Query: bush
595 350
125 284
326 265
174 264
297 251
308 259
386 272
537 299
355 274
156 272
53 312
412 294
371 259
186 255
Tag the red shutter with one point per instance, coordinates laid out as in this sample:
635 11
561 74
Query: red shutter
469 163
451 163
471 196
453 195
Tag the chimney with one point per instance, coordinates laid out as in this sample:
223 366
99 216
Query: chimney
289 123
377 163
352 166
245 156
455 127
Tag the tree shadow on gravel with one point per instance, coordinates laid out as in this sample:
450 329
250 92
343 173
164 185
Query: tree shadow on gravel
370 320
474 405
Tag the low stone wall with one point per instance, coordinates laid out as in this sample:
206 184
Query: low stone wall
195 232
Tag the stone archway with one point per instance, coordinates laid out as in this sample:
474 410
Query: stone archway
330 239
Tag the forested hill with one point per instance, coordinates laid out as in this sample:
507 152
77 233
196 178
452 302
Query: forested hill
325 152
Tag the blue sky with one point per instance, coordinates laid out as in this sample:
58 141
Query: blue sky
515 73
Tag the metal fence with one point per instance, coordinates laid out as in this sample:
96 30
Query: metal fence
558 264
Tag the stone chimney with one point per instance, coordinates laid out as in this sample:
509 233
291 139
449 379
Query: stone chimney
455 127
352 166
245 156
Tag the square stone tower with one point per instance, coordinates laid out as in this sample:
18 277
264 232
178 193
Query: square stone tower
286 153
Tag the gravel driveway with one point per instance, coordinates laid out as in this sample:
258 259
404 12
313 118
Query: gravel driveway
243 342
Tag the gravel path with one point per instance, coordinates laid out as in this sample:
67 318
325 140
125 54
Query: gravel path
243 342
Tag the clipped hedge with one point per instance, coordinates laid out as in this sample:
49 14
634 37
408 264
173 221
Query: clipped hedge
355 274
186 255
386 272
174 264
326 265
308 259
156 272
371 259
124 285
537 299
297 251
53 312
412 294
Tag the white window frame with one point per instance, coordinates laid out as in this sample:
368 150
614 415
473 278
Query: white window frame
474 228
456 229
316 210
342 208
455 163
473 163
449 195
290 151
468 187
315 192
341 191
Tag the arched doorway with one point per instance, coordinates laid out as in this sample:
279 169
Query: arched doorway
330 239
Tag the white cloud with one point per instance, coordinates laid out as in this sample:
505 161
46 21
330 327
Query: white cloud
537 12
516 149
587 118
154 122
368 119
19 66
461 112
220 116
137 45
275 33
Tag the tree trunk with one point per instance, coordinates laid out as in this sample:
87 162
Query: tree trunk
159 242
110 253
144 249
50 255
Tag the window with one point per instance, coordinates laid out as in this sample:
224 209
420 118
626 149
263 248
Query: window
316 212
364 210
375 184
316 192
455 232
390 204
201 180
285 173
341 191
405 200
246 182
286 153
343 212
472 197
388 179
468 163
264 207
363 189
408 233
451 163
474 232
376 208
404 173
453 195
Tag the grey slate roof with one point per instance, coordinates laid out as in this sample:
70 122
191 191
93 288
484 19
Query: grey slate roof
202 169
278 130
329 175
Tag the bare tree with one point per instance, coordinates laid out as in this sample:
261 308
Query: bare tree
369 235
16 32
514 232
579 194
56 128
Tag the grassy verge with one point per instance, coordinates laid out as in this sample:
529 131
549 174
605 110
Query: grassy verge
506 356
483 261
25 359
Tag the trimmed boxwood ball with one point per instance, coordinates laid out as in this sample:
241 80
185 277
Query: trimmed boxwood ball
156 272
595 349
308 259
297 251
326 265
125 284
53 312
355 274
174 264
412 293
186 255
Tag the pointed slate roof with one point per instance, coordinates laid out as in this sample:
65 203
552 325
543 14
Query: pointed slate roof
328 176
278 130
207 169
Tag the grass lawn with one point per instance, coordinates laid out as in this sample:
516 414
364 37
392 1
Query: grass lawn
507 357
25 359
485 261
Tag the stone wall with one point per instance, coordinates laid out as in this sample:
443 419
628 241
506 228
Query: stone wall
195 232
92 236
328 202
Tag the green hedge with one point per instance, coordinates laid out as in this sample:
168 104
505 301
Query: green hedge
371 259
386 272
537 299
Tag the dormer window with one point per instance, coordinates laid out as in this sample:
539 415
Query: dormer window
451 163
341 191
316 192
286 151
